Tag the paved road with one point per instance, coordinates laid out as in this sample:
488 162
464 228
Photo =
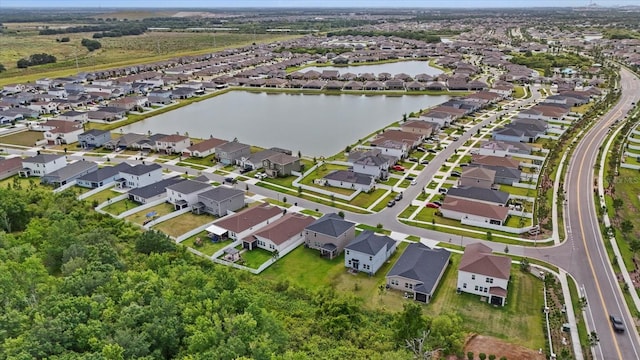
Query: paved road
583 253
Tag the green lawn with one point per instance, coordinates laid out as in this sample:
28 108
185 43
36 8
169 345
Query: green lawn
374 229
407 212
25 138
255 257
312 213
515 221
518 322
518 92
121 206
205 161
383 203
208 247
390 181
183 223
141 216
364 200
282 181
518 191
103 196
22 183
195 167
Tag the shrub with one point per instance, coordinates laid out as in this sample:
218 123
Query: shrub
470 355
91 45
482 356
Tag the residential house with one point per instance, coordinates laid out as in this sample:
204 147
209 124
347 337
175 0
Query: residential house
219 201
254 160
94 138
329 234
477 177
281 165
504 175
10 167
280 234
373 164
412 140
139 176
123 142
419 127
477 212
153 191
348 179
231 152
482 273
418 271
441 118
69 173
395 149
172 144
239 225
204 148
503 148
60 132
487 196
368 252
78 116
490 160
42 164
102 176
185 194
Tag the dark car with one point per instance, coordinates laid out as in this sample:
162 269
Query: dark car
230 180
244 170
410 178
432 151
456 173
424 162
413 159
617 323
437 203
391 203
399 197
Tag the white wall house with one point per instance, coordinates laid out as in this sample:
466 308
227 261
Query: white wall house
185 193
140 175
484 274
281 234
43 164
368 252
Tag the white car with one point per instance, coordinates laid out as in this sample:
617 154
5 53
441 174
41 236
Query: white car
414 182
260 176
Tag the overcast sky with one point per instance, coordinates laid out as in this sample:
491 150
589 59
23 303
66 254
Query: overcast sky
309 3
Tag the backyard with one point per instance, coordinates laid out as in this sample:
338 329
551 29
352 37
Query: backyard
160 210
121 206
24 138
207 247
182 223
102 196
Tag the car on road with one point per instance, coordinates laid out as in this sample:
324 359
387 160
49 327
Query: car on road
455 138
391 203
617 323
432 205
230 180
397 168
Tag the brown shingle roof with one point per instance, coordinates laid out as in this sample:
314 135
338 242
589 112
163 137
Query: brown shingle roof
248 218
285 228
495 161
479 173
476 208
211 143
478 259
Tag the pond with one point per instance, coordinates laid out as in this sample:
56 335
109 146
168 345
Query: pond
411 68
316 125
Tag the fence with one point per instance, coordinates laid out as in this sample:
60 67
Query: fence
167 217
96 190
487 225
141 208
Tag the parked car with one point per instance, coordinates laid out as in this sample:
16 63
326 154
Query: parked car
413 159
260 176
432 151
230 180
414 182
437 203
399 197
245 170
617 323
443 190
421 149
424 162
432 205
397 168
455 138
463 165
391 203
410 178
456 173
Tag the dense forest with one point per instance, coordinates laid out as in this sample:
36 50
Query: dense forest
76 284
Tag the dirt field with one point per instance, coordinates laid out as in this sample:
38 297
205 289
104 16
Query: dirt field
490 345
25 138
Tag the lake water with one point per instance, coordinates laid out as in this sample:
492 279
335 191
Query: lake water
411 68
316 125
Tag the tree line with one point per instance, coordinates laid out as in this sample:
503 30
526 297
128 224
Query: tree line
36 59
76 284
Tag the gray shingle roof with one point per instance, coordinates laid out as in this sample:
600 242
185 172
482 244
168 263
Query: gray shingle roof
188 187
70 171
350 177
331 225
220 193
475 193
141 169
94 132
43 158
367 242
419 262
504 172
104 173
155 189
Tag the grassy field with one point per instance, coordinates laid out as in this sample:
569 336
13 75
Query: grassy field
115 52
103 196
25 138
208 247
183 223
141 216
518 321
121 206
255 257
22 183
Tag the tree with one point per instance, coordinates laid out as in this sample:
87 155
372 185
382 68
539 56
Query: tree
492 357
153 241
409 323
470 355
617 203
482 356
626 226
2 68
524 265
